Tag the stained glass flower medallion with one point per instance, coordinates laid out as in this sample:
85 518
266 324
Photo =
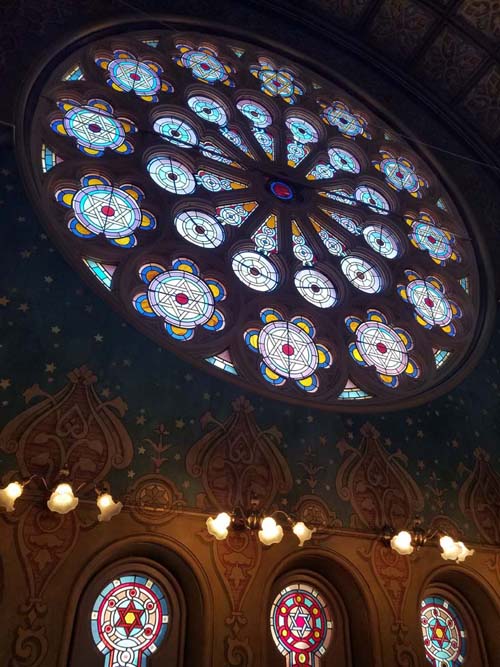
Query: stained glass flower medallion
129 621
301 625
247 214
443 632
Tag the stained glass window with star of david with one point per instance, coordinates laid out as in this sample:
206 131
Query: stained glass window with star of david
254 217
129 620
301 625
444 634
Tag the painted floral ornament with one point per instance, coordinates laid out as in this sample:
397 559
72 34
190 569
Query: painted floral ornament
349 124
426 235
100 207
205 64
432 308
277 81
400 174
181 297
288 350
130 74
94 126
384 347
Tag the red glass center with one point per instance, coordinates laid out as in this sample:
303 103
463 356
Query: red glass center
381 348
281 190
108 211
204 66
429 302
181 298
399 174
93 127
135 77
287 349
431 239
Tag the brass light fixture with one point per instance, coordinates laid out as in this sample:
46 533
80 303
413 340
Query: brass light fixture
406 541
269 531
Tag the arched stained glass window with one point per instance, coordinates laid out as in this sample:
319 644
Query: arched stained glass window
129 620
254 217
444 633
301 625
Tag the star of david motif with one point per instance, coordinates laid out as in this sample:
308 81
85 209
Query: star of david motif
383 350
130 618
108 211
439 633
183 298
87 124
430 303
300 622
289 347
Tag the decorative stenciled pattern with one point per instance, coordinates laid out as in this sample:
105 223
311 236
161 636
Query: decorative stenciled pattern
129 74
432 306
129 620
181 297
428 236
444 633
400 174
349 124
101 207
384 347
261 177
301 625
288 350
94 127
277 81
205 64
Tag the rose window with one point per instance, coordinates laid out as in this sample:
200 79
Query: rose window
254 218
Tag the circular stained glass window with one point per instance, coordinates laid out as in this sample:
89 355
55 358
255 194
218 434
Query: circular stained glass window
443 632
254 218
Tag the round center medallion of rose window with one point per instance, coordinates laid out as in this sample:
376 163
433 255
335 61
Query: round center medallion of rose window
253 217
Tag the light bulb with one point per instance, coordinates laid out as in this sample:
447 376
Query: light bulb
10 494
62 499
108 507
452 550
464 552
401 543
270 532
218 527
302 532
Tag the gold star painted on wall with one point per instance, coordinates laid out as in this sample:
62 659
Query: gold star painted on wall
50 368
4 301
5 383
